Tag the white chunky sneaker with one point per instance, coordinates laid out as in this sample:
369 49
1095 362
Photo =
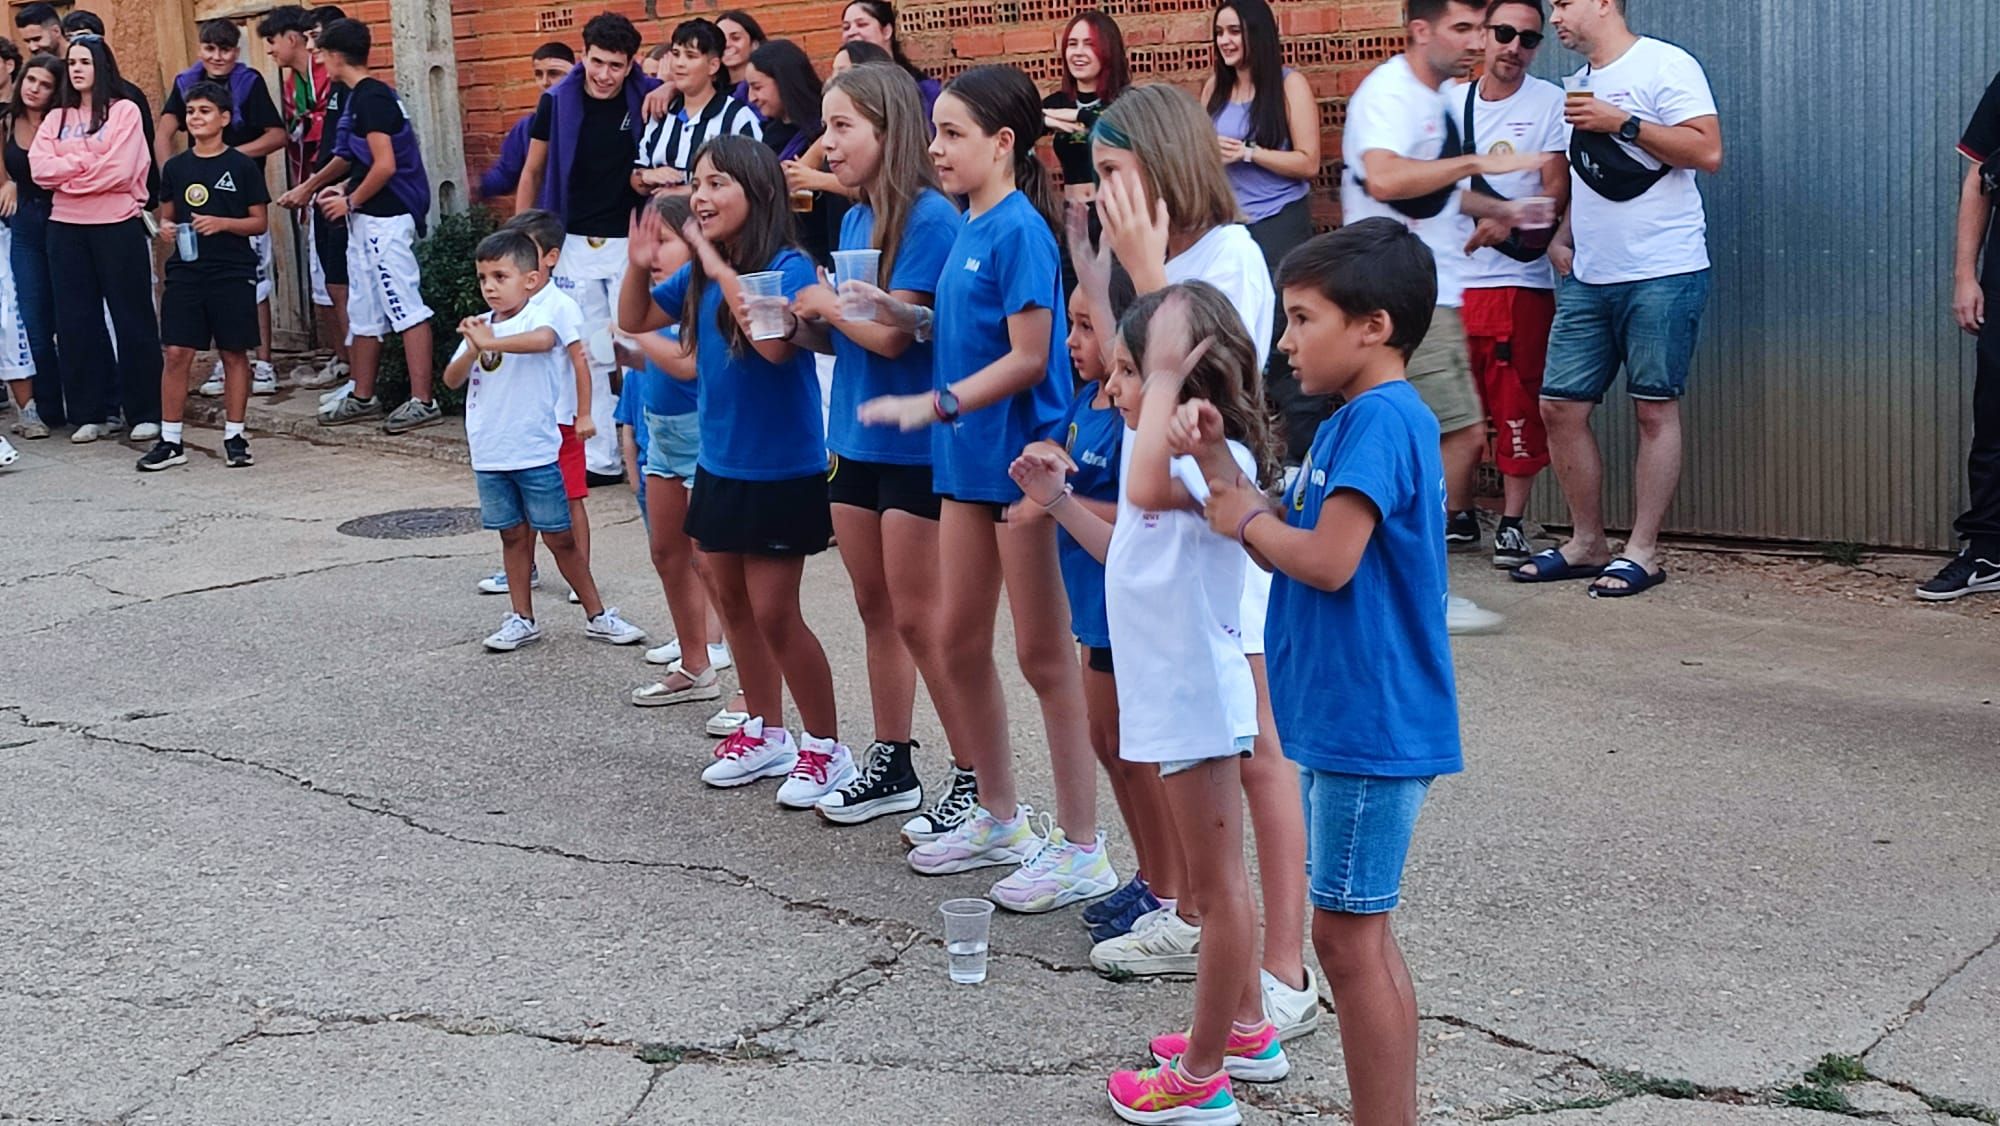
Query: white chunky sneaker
751 753
823 766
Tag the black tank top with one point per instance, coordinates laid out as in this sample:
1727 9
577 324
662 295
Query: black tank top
17 171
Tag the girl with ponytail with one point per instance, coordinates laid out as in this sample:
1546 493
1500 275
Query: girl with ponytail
1002 380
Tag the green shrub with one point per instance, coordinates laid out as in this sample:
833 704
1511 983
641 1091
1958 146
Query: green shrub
451 289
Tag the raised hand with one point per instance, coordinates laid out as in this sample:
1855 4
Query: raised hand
1136 233
1196 426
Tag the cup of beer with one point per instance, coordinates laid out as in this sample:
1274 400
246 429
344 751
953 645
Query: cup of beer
802 199
1576 88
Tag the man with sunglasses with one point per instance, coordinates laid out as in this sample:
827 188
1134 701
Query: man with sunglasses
1510 296
1634 255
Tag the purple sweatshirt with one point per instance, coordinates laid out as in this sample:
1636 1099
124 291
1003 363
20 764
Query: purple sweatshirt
505 175
568 96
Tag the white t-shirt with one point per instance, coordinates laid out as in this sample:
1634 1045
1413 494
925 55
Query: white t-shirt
566 317
1228 259
510 400
1665 231
1530 120
1393 110
1173 593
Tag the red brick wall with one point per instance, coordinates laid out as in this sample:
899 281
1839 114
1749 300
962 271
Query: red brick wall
1334 42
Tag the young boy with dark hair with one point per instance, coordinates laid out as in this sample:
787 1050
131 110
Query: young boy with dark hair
1360 665
552 62
212 206
512 365
384 202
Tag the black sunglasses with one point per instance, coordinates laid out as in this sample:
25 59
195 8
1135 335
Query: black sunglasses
1506 34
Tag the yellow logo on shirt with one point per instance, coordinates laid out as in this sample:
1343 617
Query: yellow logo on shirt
596 243
489 361
1501 148
196 195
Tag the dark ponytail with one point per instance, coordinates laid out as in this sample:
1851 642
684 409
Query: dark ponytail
1002 97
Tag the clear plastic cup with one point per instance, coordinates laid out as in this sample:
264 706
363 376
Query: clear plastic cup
765 292
1576 87
187 242
861 266
966 926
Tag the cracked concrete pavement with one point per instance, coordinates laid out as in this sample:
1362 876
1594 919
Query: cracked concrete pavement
280 843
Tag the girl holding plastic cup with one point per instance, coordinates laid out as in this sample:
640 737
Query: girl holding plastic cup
758 506
885 511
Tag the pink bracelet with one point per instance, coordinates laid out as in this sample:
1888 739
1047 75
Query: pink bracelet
1244 525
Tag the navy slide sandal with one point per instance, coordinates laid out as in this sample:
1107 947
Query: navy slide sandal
1637 579
1551 567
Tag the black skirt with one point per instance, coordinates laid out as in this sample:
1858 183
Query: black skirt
783 518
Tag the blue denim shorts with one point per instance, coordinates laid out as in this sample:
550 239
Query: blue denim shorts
510 497
1358 833
673 444
1649 327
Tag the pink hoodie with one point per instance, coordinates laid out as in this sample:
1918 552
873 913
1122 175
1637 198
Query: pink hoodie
98 178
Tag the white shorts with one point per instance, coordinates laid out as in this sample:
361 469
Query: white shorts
314 270
16 360
266 267
385 292
591 270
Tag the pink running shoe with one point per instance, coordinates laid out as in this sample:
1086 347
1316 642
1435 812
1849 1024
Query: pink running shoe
1165 1095
1254 1057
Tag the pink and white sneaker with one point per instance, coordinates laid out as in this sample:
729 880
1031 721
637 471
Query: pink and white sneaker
1165 1094
1060 873
982 841
751 753
823 766
1255 1056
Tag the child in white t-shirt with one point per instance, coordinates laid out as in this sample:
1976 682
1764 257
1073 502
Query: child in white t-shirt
514 364
1173 595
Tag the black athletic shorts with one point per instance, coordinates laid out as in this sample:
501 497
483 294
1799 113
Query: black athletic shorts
330 244
881 487
788 517
202 313
1098 658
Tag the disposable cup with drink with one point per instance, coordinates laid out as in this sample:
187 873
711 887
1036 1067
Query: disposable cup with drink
966 924
187 242
1576 88
802 199
855 266
764 294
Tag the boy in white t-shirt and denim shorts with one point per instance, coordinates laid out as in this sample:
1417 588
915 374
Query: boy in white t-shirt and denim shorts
511 364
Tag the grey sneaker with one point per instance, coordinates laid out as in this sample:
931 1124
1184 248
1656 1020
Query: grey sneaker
413 415
30 424
347 409
115 423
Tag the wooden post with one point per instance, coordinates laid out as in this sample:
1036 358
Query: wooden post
427 78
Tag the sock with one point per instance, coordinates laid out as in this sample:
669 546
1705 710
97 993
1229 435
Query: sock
1249 1029
1180 1068
229 429
171 432
1510 521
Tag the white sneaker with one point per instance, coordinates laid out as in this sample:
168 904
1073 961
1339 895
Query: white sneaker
718 655
823 766
145 432
1295 1012
331 397
496 583
305 375
263 378
726 722
8 454
88 432
751 753
609 627
514 632
212 386
1465 618
983 841
1058 874
1161 942
666 655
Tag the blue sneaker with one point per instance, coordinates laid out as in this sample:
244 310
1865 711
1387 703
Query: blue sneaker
1140 905
1112 905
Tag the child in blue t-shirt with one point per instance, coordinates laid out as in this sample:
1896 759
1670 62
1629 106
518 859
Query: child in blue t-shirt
1360 666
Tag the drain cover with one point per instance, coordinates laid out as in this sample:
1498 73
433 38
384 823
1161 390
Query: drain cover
413 524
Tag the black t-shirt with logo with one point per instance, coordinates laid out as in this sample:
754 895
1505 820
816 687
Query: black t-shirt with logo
247 122
226 186
1981 142
601 199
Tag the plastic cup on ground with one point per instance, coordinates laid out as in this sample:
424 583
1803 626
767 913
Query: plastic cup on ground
855 265
967 923
766 293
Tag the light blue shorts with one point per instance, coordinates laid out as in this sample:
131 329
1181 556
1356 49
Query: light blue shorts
673 444
1244 745
1358 833
510 497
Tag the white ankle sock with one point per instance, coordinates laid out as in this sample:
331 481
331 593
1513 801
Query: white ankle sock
171 432
230 429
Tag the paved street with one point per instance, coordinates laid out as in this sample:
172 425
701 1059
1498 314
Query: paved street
279 843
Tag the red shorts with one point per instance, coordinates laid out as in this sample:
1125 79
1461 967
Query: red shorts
569 459
1507 333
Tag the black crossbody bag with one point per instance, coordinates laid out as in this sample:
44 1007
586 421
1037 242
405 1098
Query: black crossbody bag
1607 169
1432 205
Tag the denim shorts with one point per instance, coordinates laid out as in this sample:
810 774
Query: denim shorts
510 497
1647 326
673 443
1244 745
1358 833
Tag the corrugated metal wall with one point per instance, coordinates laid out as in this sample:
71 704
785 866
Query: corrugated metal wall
1831 393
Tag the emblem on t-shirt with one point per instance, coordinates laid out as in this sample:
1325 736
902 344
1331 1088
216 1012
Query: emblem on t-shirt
972 265
227 183
595 242
489 361
1501 147
196 195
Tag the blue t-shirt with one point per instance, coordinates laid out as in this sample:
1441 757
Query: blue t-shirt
860 375
760 421
1361 678
631 401
1093 438
666 395
1004 262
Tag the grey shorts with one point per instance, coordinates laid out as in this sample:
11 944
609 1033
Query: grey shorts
1441 371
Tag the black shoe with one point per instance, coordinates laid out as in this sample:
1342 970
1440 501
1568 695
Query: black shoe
599 480
953 807
163 455
1461 529
887 784
236 452
1510 547
1965 574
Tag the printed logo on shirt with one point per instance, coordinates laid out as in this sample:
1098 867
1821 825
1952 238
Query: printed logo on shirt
1069 443
972 265
489 361
196 195
1501 148
227 183
595 242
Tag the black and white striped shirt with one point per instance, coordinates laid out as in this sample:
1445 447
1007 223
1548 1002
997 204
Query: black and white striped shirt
672 141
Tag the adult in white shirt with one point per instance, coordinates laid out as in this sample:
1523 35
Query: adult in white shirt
1510 298
1400 164
1634 255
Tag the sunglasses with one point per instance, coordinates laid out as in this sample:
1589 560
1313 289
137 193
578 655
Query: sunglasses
1504 34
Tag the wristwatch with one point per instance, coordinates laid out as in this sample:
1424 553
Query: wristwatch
945 403
1629 132
1249 151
